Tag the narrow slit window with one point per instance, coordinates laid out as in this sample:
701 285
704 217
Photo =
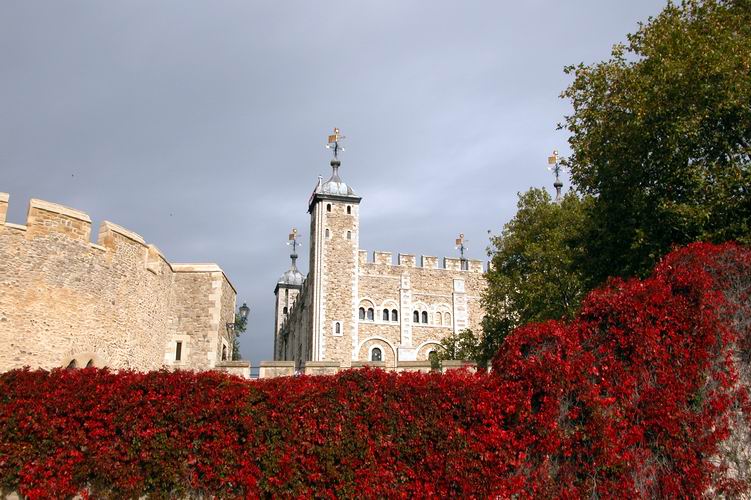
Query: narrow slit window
327 233
178 351
385 315
284 311
349 235
328 207
349 210
425 317
361 313
416 317
371 314
394 315
337 328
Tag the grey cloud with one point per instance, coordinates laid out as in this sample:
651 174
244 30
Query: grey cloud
201 125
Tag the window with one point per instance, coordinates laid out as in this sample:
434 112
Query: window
394 315
327 233
425 316
438 318
328 207
376 354
465 265
349 210
447 319
361 313
72 364
349 235
337 328
284 311
224 353
370 314
385 315
178 351
416 317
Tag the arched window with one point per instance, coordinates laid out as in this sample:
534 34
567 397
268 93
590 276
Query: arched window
328 207
361 313
394 315
224 353
438 318
72 364
284 311
337 328
90 363
376 354
349 235
371 314
349 210
447 319
385 315
327 233
425 316
416 317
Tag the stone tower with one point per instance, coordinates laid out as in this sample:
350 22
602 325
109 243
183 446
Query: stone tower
287 289
334 229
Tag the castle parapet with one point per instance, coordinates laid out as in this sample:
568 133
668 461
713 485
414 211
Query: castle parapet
114 237
452 264
45 217
3 206
406 260
428 262
382 258
475 266
362 256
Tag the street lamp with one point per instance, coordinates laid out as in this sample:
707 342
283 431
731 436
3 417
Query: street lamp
241 319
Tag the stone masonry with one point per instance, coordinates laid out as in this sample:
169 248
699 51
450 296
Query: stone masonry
65 301
350 310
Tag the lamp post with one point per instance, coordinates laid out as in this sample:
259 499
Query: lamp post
237 327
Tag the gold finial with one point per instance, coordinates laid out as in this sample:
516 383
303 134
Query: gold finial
334 141
552 160
555 167
293 241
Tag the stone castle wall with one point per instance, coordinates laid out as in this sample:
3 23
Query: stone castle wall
450 296
117 302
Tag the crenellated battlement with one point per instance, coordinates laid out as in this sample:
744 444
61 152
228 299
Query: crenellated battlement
44 218
117 299
425 262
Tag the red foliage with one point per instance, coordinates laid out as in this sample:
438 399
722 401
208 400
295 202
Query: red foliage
634 397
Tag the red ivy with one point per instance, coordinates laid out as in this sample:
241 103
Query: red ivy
634 397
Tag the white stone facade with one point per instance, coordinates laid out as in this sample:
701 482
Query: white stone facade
351 310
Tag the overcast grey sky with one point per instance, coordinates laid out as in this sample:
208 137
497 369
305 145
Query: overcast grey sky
201 125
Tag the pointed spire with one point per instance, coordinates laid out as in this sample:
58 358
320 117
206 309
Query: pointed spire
293 276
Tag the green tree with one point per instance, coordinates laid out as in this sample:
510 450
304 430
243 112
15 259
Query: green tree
533 276
661 137
240 325
462 346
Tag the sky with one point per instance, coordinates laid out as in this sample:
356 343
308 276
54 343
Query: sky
202 125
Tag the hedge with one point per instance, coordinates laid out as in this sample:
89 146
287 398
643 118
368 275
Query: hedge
635 397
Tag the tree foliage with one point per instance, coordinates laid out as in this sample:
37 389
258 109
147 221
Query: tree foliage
661 136
533 275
